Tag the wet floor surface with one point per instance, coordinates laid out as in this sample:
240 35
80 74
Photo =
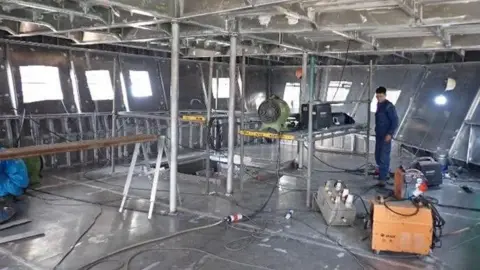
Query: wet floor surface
68 203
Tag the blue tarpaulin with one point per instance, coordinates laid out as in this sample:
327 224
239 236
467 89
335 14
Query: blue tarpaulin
13 177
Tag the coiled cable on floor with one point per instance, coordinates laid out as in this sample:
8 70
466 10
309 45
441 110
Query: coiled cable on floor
196 250
163 238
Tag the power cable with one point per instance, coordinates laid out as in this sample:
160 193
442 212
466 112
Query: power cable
86 231
363 203
337 242
355 171
160 239
258 211
417 209
196 250
343 69
79 238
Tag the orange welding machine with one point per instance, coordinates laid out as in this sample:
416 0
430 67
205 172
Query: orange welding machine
401 226
410 222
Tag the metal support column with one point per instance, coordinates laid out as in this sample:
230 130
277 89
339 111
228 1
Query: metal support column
231 113
303 90
369 116
242 122
311 147
300 154
209 116
114 111
303 83
11 81
174 116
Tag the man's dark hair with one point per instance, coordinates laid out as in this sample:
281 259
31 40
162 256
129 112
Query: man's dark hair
381 90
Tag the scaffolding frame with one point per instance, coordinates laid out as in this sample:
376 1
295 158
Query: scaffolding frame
310 137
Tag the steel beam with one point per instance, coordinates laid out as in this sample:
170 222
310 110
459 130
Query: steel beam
157 9
79 28
203 8
415 44
49 6
127 35
410 7
45 22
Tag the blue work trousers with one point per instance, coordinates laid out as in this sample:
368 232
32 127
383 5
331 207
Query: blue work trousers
382 157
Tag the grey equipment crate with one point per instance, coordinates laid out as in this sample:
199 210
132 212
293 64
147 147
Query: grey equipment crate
333 208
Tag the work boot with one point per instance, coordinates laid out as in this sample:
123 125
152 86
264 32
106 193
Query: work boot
380 183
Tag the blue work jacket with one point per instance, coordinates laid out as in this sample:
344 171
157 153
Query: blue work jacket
386 119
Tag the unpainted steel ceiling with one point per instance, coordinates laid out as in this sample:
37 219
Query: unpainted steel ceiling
265 27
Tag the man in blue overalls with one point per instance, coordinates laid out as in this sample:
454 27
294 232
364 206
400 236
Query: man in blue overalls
386 123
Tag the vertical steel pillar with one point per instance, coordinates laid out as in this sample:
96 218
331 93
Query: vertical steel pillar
242 121
301 153
303 83
114 111
11 81
269 80
369 116
209 116
217 79
303 91
174 116
311 148
231 112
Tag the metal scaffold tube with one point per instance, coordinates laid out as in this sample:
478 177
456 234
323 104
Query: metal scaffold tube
303 87
209 116
310 141
242 121
114 112
174 116
369 116
231 113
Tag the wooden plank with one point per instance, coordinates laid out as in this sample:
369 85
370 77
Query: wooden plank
14 223
49 149
20 236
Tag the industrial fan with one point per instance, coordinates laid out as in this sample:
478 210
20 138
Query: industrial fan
273 114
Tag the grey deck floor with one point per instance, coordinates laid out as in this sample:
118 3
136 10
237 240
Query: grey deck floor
299 243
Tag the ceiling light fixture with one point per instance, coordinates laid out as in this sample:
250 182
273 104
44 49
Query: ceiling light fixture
440 100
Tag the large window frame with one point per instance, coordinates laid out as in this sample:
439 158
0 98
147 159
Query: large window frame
40 83
100 84
140 84
338 91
